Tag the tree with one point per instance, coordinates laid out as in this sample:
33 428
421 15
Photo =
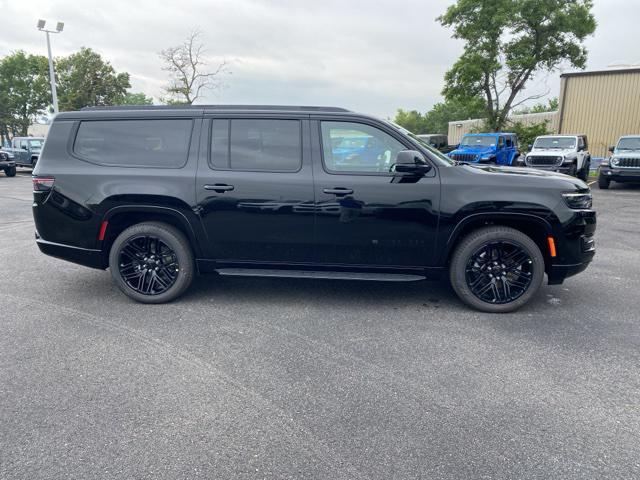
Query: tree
24 92
507 42
185 64
86 80
551 106
528 133
131 98
437 119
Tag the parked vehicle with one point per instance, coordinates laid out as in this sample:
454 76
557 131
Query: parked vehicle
7 163
624 163
158 194
437 141
26 150
567 154
495 148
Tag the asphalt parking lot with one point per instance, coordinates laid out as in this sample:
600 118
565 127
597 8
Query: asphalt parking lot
269 378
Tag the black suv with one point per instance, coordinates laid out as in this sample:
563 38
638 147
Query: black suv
159 194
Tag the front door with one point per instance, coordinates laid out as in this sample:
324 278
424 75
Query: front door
255 190
365 214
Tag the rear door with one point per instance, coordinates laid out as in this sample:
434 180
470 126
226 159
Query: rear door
254 189
365 215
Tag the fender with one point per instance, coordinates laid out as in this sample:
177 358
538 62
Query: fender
180 216
489 216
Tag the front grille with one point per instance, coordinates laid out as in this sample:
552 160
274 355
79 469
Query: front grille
464 157
629 162
535 160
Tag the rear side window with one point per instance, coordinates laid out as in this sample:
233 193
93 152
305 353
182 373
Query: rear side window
256 145
135 143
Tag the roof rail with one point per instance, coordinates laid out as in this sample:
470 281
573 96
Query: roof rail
220 107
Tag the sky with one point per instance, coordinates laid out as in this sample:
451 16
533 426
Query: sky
372 56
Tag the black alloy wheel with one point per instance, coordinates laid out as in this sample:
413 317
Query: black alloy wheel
152 262
148 265
499 272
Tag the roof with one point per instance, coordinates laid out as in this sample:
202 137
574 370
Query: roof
488 134
616 71
563 135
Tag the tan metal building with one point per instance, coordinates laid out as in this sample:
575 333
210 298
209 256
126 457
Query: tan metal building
602 104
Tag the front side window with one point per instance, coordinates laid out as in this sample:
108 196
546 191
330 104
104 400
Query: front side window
358 148
162 143
36 143
256 145
501 142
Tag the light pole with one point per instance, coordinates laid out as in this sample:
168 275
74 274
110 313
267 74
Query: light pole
52 75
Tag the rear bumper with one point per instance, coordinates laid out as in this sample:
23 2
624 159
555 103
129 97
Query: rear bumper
620 174
82 256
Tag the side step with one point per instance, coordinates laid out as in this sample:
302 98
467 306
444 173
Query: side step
263 272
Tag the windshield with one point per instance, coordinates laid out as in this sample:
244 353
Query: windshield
474 141
436 153
35 143
555 142
629 144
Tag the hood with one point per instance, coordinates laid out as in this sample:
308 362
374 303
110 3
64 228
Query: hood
529 174
550 152
478 150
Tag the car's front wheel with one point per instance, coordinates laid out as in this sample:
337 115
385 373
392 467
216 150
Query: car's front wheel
10 171
496 269
603 182
152 262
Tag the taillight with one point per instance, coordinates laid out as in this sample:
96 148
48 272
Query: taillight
42 184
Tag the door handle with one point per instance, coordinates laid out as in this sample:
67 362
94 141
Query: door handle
219 188
338 191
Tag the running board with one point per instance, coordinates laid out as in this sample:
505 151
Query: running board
380 277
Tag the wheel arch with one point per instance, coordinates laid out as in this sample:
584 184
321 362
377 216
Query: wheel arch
535 227
120 217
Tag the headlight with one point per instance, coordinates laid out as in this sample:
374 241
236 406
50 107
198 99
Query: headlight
614 162
578 201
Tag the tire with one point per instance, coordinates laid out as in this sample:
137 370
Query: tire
603 182
10 171
572 170
168 270
463 263
584 172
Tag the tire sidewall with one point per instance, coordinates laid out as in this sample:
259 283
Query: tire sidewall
175 240
471 244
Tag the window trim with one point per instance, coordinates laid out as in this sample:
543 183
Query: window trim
229 119
363 122
73 137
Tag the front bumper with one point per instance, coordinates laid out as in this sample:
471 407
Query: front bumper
575 246
564 168
7 164
620 174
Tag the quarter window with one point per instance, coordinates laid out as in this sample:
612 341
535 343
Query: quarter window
356 148
135 143
256 145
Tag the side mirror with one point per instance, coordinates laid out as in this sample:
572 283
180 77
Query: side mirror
612 148
24 147
411 161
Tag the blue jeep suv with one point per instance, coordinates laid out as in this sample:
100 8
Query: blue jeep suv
497 148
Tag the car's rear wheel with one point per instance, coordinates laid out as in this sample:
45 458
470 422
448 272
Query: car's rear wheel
496 269
152 262
10 171
603 182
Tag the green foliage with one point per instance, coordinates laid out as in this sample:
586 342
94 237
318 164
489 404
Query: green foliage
24 92
135 99
85 79
551 106
528 133
437 119
507 42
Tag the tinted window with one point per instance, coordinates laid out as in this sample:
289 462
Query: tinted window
256 145
152 143
355 147
477 141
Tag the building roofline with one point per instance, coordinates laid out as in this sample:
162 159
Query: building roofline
616 71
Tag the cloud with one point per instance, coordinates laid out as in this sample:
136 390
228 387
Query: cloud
372 55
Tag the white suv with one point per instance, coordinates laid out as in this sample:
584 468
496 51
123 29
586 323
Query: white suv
561 153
